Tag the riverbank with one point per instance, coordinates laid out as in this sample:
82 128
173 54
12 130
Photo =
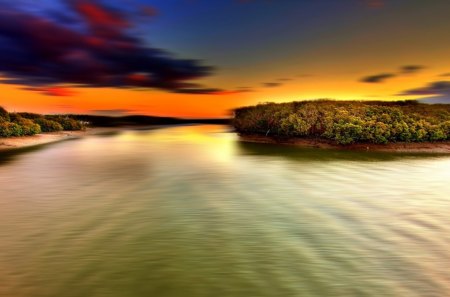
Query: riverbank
401 147
46 138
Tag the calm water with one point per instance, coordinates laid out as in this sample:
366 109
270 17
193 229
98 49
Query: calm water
190 211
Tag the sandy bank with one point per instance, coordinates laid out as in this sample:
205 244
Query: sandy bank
45 138
425 147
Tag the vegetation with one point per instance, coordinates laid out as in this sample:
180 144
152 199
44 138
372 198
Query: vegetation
26 124
347 122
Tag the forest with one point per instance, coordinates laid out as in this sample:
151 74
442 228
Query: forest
347 122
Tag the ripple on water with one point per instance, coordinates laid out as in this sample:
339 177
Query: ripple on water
187 211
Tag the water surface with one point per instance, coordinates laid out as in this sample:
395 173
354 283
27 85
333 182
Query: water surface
191 211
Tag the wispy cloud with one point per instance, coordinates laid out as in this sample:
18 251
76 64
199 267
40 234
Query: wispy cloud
382 77
113 112
439 90
407 69
377 78
272 84
434 88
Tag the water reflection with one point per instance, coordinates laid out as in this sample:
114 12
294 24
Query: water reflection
313 154
191 211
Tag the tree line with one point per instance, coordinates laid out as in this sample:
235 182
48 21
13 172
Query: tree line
27 124
347 122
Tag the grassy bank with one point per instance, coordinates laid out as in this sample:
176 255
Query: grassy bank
28 124
347 122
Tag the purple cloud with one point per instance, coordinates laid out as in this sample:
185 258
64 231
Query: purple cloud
440 90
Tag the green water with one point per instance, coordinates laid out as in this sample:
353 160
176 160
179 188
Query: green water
191 211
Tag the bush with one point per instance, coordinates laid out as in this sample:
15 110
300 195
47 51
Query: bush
347 133
8 129
66 122
4 115
48 125
27 126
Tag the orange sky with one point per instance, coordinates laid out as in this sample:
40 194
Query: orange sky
152 102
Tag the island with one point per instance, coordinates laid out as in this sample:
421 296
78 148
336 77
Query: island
403 126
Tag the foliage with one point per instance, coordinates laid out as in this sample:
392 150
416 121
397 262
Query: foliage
347 122
68 123
26 124
48 125
4 116
8 129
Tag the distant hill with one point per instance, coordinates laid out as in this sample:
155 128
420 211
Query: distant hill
141 120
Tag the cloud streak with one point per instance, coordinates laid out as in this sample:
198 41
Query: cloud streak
97 49
272 84
382 77
439 90
113 112
377 78
411 69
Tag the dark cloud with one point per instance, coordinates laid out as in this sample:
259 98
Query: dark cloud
97 49
445 74
378 78
272 84
440 90
407 69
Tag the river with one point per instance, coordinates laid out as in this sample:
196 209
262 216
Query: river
191 211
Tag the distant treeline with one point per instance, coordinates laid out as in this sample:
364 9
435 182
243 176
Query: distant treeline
27 124
347 122
141 120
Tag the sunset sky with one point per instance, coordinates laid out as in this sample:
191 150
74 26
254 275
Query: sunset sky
202 58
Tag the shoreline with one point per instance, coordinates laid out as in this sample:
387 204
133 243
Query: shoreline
12 143
400 147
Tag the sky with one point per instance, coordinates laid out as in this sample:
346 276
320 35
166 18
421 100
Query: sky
202 58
